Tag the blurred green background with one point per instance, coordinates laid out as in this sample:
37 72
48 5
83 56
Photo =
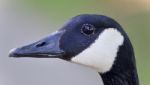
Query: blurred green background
133 15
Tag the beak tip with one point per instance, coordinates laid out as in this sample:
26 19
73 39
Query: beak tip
12 52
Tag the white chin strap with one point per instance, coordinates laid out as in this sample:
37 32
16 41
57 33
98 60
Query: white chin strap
102 53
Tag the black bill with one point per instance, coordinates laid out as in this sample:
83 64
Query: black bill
46 48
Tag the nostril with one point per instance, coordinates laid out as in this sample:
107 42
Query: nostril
41 44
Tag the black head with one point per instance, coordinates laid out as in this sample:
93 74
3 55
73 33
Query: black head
83 30
78 34
92 40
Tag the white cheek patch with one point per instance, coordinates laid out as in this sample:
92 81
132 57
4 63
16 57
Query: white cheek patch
102 53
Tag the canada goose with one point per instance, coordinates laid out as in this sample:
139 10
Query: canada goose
96 41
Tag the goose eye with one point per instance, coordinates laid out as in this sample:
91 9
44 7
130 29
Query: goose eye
87 29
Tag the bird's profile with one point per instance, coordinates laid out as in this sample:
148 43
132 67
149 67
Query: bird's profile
96 41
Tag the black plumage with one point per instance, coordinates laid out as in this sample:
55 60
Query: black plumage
76 36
